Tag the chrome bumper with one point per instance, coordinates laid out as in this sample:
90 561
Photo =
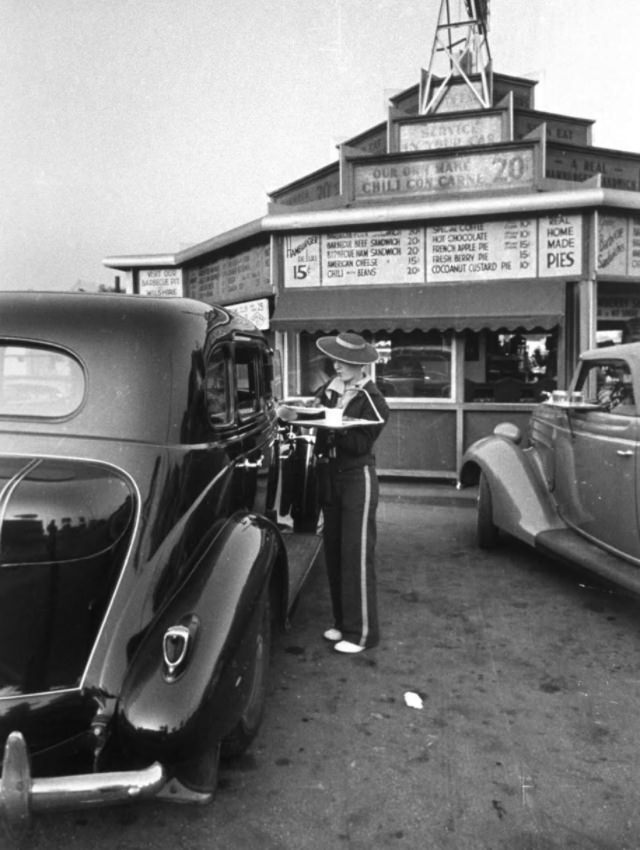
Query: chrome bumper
20 794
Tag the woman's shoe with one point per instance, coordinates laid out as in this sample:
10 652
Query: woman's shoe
333 635
347 646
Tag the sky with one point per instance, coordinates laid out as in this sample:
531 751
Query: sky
147 126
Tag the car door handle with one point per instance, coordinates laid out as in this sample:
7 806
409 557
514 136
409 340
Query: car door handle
625 452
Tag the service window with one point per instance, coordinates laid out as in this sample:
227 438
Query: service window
510 366
414 365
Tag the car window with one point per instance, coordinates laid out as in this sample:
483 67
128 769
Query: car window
39 381
608 384
217 396
247 371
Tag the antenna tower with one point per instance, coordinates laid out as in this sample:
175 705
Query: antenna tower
460 49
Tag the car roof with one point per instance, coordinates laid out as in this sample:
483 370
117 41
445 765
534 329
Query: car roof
627 351
138 353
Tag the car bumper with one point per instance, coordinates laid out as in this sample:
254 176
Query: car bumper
20 794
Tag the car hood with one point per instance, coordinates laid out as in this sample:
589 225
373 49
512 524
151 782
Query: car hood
65 526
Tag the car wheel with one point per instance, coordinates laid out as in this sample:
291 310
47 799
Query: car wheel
486 531
245 730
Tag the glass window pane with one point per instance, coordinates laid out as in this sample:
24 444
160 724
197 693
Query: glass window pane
39 381
315 367
414 365
607 384
246 380
217 389
510 367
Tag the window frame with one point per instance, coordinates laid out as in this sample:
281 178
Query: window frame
77 378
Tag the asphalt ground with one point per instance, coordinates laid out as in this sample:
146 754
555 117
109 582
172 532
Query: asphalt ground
527 739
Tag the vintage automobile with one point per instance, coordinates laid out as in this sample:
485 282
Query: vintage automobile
142 564
570 488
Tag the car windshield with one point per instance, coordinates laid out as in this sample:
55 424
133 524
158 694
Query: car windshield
39 381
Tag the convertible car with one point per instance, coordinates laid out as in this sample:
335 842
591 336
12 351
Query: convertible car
571 487
142 563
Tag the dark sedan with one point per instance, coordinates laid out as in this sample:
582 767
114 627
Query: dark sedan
141 559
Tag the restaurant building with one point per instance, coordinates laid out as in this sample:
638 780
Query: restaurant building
478 242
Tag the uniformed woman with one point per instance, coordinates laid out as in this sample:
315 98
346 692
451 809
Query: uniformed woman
349 490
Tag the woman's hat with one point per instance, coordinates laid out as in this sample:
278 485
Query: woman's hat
348 348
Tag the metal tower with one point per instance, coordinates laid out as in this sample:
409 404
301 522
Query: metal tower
460 49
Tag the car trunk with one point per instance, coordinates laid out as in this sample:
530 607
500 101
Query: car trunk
64 530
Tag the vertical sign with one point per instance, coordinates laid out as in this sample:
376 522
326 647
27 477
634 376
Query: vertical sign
612 244
559 245
634 246
302 260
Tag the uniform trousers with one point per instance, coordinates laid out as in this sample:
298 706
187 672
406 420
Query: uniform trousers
349 535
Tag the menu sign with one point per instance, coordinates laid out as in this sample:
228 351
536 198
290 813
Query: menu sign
231 278
481 251
256 311
617 171
450 133
559 245
385 256
612 244
618 245
302 260
618 306
455 172
353 258
163 283
546 246
634 248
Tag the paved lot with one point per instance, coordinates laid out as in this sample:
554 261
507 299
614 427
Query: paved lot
528 738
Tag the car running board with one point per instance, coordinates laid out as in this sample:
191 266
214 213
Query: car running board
566 545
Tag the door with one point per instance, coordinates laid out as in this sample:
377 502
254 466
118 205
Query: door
598 449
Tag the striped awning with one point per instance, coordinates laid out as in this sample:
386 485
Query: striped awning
495 305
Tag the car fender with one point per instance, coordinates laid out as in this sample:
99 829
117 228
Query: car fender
170 714
521 502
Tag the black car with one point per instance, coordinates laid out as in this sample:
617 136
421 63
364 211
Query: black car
141 558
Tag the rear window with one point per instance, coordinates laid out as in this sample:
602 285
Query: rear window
39 381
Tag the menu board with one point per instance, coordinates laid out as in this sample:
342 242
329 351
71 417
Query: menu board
545 246
616 170
353 258
479 251
559 245
302 260
435 173
235 277
256 311
634 246
612 244
379 256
